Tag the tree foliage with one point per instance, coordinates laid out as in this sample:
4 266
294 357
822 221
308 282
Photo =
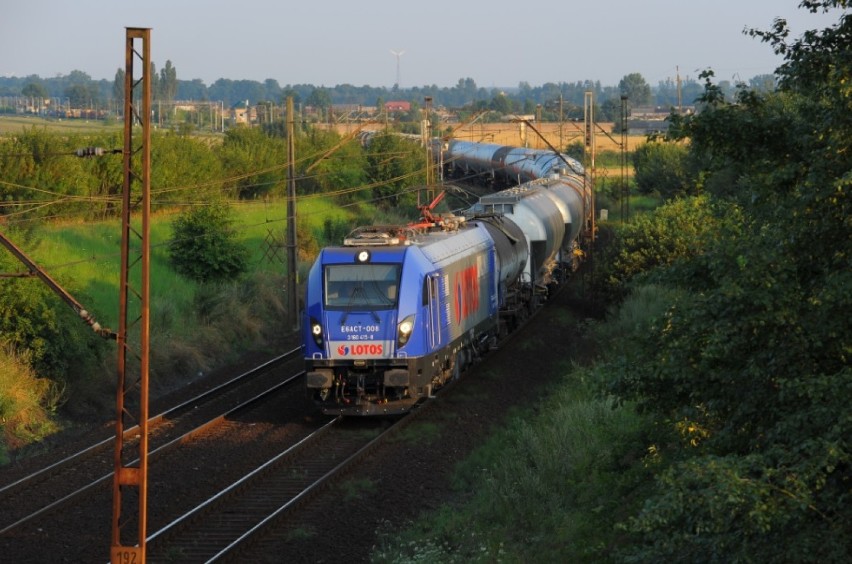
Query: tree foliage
253 161
167 83
35 321
638 91
204 246
661 168
676 232
394 164
750 364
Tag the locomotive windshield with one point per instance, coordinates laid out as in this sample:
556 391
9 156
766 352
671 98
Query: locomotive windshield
374 286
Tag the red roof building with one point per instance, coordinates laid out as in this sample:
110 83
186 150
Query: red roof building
398 106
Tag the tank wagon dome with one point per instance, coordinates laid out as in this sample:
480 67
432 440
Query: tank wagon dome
536 213
568 196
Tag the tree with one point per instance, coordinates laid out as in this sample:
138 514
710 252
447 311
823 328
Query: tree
118 85
394 165
35 90
253 159
34 321
340 171
155 81
763 82
661 167
204 245
192 90
320 98
749 368
636 89
82 95
501 103
168 82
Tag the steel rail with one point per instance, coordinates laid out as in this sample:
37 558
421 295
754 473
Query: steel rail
53 506
153 421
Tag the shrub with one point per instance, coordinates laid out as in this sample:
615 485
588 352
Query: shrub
26 402
205 247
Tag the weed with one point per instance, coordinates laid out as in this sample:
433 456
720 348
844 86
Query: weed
357 489
419 432
300 533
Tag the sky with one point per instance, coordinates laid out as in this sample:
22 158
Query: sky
331 42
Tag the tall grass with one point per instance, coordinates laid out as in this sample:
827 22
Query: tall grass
550 485
26 403
547 488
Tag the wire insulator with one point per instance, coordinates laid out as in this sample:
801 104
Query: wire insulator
86 152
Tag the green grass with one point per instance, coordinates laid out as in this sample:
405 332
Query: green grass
86 257
15 124
419 433
549 486
356 489
636 205
186 338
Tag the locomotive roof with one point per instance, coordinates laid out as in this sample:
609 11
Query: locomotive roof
403 235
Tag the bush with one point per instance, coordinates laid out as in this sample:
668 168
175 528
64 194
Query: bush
661 168
204 246
26 402
33 319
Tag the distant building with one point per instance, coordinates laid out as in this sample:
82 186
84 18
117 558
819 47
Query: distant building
646 120
646 126
241 112
397 106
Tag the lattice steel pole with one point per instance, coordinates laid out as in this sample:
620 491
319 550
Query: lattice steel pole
130 481
292 245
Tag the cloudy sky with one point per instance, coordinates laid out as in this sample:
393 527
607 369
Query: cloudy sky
496 43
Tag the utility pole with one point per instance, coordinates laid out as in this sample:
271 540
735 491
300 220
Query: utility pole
130 478
679 101
427 143
292 265
625 188
561 142
589 151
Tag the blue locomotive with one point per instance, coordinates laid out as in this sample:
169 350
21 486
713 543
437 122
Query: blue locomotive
396 312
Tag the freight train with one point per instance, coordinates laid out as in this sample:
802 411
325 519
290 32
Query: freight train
396 312
503 165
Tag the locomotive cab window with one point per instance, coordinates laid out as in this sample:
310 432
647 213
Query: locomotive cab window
373 286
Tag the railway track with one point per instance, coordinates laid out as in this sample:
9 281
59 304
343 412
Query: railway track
227 526
233 524
208 463
61 483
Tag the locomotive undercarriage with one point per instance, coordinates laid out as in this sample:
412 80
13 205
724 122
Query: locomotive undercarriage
368 387
389 387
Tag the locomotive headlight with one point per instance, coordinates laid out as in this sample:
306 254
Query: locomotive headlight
404 329
316 331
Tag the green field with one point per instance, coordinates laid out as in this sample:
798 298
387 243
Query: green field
15 123
86 257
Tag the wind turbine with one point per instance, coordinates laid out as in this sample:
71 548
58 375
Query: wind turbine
397 54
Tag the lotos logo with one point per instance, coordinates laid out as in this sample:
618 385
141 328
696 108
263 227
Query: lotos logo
356 350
